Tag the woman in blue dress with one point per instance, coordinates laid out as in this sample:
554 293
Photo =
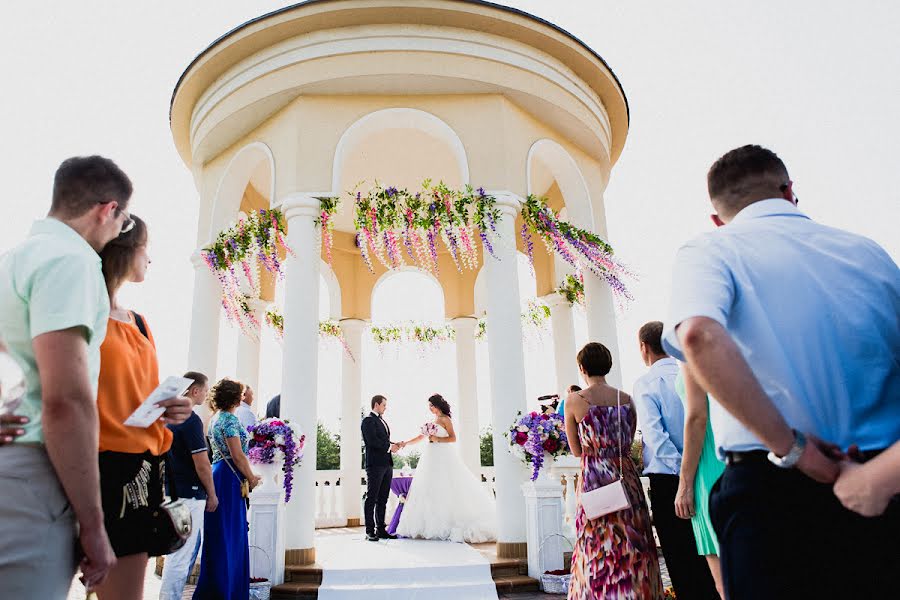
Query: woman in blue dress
225 564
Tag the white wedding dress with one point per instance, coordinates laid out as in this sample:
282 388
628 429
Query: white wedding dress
446 500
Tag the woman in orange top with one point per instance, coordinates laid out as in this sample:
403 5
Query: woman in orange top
131 458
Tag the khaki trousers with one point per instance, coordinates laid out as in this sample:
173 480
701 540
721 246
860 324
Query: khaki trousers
37 527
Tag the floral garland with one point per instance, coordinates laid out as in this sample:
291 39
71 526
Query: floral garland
535 319
534 435
424 336
572 289
332 329
390 222
236 252
325 221
271 435
580 248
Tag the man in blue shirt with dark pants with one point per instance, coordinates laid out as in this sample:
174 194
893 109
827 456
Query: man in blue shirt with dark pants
191 475
661 421
793 328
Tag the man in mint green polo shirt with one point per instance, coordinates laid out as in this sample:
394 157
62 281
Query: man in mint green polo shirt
53 313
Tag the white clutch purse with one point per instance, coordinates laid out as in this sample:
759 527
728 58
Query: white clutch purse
611 497
604 500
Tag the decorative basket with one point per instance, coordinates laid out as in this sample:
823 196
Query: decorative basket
555 584
261 590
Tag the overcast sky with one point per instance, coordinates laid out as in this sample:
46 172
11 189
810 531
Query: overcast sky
818 82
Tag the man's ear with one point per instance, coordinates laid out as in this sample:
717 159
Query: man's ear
717 220
108 211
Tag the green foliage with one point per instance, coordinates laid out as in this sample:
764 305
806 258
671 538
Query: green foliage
328 449
572 289
486 444
413 459
399 461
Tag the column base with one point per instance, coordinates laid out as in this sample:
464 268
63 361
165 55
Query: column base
512 550
357 522
300 556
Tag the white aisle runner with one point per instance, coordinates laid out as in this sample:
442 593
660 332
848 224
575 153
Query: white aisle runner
353 568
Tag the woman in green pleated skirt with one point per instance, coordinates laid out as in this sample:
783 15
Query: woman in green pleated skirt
700 469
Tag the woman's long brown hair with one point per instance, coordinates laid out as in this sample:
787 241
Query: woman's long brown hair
118 255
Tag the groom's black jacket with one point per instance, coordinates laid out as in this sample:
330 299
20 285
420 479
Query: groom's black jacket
377 438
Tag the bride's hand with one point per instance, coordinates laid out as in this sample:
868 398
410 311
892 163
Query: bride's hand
431 438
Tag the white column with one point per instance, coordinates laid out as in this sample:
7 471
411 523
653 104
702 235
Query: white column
467 392
564 350
248 353
203 344
300 356
351 436
507 374
601 321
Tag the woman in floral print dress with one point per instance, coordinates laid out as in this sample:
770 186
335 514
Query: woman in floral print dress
615 555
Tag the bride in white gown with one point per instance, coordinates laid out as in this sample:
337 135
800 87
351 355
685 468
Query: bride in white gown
446 500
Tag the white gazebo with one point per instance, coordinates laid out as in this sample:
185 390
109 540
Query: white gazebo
307 101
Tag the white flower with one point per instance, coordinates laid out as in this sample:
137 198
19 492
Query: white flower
522 428
279 439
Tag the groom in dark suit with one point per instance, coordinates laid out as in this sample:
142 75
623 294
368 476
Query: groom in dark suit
379 469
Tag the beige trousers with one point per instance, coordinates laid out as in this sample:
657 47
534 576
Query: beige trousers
37 527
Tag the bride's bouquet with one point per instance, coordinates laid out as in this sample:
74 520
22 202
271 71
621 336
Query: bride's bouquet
533 435
428 429
276 435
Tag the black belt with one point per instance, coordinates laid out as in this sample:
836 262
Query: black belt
733 458
762 456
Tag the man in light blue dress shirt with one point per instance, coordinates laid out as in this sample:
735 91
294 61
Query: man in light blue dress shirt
794 328
661 421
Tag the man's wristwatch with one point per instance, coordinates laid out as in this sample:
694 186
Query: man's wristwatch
789 460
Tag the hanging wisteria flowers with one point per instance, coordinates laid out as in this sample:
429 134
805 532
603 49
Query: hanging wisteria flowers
325 221
277 435
395 225
235 256
580 248
275 320
534 435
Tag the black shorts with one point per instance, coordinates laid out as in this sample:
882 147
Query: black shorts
131 487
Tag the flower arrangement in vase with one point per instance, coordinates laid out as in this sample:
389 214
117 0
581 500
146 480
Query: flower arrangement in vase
277 438
534 435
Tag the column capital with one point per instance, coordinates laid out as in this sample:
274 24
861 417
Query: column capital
302 204
509 203
353 324
555 301
464 324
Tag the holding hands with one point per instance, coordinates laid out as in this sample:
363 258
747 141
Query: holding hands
397 446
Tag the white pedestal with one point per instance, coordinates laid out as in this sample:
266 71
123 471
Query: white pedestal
543 525
267 525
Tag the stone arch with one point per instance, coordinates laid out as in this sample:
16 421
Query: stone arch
408 269
568 176
527 282
397 118
234 181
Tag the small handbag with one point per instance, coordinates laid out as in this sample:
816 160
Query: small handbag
611 497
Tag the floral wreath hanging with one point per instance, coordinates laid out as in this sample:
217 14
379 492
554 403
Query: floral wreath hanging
236 252
572 289
534 436
277 435
391 221
580 248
